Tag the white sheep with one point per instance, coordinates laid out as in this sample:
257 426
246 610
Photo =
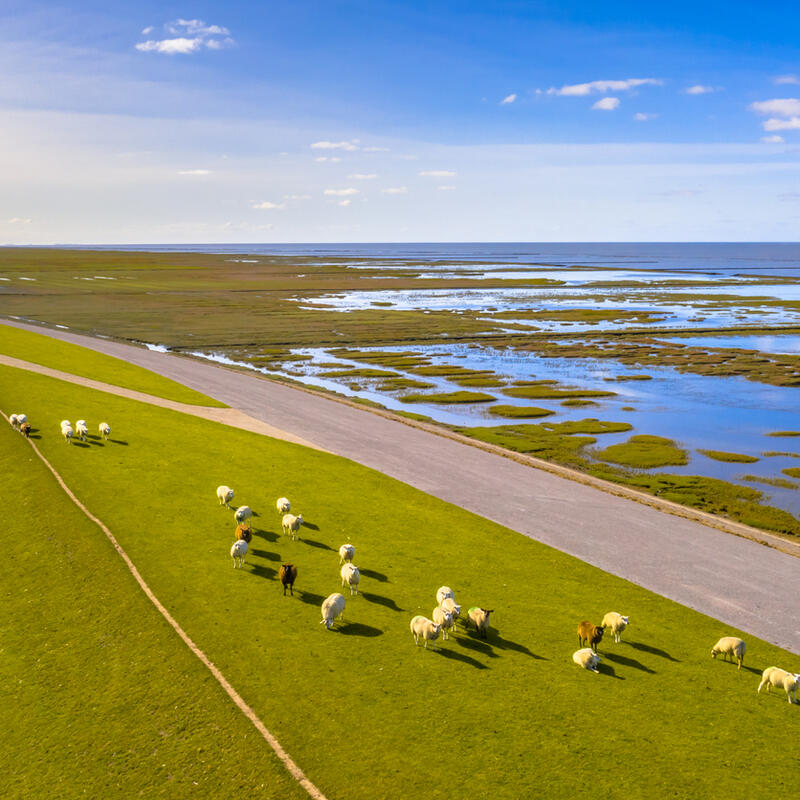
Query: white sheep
81 429
775 676
242 514
449 604
14 420
238 552
224 495
105 430
730 646
480 619
350 577
426 629
67 432
346 553
283 505
615 623
443 617
587 659
332 607
291 524
442 593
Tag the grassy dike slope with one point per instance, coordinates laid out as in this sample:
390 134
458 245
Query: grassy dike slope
67 357
363 711
98 696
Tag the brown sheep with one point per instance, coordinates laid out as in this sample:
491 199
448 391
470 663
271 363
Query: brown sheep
589 633
287 574
25 429
244 532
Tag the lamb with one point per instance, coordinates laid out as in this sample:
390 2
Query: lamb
291 524
224 495
287 574
730 646
350 577
283 505
587 659
242 514
425 628
244 533
25 429
589 633
346 553
81 429
105 430
238 552
480 619
332 607
616 623
449 604
775 676
443 617
66 431
442 593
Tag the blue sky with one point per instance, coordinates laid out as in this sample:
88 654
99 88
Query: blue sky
377 121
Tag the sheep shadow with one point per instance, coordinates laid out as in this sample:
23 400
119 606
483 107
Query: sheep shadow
268 535
754 670
79 444
627 662
387 602
646 648
263 571
507 644
376 576
310 525
474 643
608 671
119 441
359 629
309 598
268 554
314 543
446 652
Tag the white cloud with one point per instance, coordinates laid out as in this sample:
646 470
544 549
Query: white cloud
438 173
699 89
363 176
781 107
606 104
341 192
330 159
267 205
791 124
396 190
772 139
640 116
784 79
582 89
189 36
148 29
325 145
19 221
194 172
170 46
446 188
195 27
376 149
297 197
508 100
344 202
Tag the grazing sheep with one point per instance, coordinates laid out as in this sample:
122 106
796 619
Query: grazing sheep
425 628
238 552
350 577
105 430
480 619
444 618
731 646
283 505
332 607
67 432
25 429
589 633
291 524
346 553
242 514
22 418
81 429
442 593
244 533
287 574
14 420
224 495
455 611
587 659
775 676
616 623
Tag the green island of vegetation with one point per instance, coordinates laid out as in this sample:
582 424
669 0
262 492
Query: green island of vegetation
644 452
519 411
721 455
449 397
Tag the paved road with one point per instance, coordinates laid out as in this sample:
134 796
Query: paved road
738 581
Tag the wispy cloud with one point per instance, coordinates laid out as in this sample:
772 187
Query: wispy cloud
194 172
774 139
446 188
699 89
781 80
340 192
396 190
640 116
19 221
325 145
438 173
331 159
344 202
508 100
267 205
376 149
785 111
297 197
582 89
363 176
187 36
606 104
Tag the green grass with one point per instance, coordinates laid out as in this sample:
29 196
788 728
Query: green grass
720 455
792 472
444 398
644 451
784 433
509 704
545 391
386 704
771 453
781 483
520 412
48 352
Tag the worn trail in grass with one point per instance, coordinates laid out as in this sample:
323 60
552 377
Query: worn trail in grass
515 713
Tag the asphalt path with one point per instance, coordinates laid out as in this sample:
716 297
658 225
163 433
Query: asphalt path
738 581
